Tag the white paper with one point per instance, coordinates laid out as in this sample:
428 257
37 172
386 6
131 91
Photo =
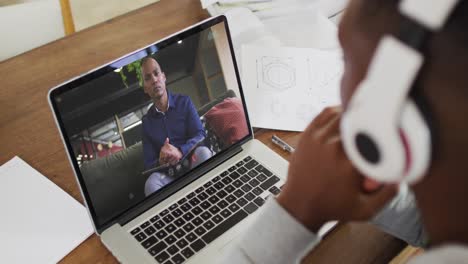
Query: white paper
242 1
246 28
285 88
304 29
332 7
40 222
207 3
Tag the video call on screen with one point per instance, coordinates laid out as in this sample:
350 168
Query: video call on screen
127 149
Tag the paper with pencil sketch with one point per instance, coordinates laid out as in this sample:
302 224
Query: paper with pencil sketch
285 88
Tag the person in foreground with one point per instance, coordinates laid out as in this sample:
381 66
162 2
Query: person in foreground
324 185
171 128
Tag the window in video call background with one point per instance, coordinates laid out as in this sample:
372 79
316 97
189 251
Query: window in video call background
102 114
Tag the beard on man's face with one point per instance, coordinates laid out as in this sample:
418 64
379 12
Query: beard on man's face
155 91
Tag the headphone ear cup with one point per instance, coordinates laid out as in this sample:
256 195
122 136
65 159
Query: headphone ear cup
403 148
373 145
416 136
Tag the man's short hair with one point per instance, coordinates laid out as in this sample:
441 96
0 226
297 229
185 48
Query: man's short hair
145 59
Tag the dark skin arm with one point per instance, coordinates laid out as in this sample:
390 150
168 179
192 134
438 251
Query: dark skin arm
323 185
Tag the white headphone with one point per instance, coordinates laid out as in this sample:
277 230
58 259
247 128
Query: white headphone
383 131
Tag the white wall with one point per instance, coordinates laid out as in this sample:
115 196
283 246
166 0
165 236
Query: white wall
28 25
88 13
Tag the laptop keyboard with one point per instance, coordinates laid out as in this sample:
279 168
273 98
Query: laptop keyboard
188 225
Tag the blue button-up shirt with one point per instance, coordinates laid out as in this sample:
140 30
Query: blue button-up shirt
180 123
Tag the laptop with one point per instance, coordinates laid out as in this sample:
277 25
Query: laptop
109 126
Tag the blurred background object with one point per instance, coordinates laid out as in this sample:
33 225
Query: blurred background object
27 24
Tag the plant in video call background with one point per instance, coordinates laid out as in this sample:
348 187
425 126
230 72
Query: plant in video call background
130 68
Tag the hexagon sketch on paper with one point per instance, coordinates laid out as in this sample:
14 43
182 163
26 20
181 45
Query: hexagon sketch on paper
276 74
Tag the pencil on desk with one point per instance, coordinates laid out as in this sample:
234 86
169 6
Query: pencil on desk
278 141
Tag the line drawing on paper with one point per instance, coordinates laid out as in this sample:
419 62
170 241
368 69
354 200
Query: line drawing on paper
278 108
322 72
306 112
275 73
323 75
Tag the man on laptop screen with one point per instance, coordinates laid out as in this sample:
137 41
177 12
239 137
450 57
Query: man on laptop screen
171 128
162 148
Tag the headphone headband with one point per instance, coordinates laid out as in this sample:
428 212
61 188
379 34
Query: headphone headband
431 14
384 133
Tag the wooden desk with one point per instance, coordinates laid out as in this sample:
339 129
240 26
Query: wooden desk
27 128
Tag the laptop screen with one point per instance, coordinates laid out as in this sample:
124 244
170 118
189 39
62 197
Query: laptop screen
138 125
